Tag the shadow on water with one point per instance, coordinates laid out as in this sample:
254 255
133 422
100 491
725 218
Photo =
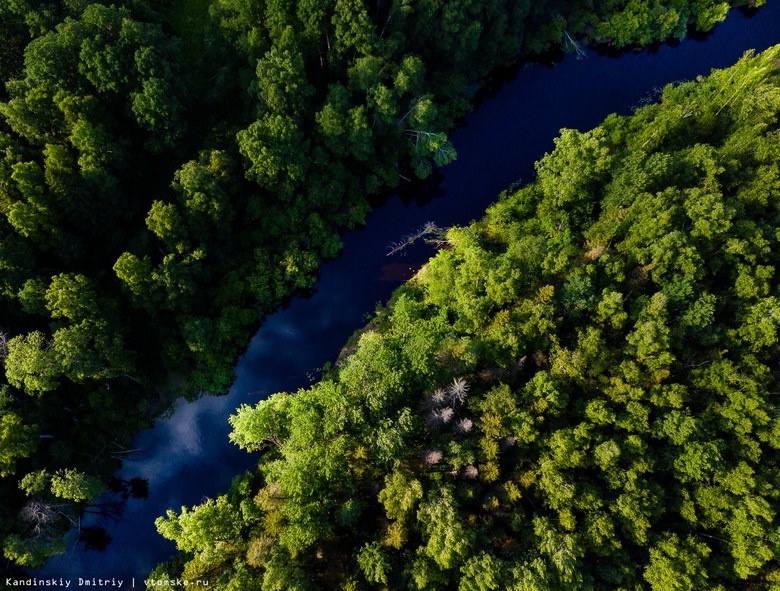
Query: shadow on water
94 538
187 456
503 75
748 10
420 192
699 36
135 488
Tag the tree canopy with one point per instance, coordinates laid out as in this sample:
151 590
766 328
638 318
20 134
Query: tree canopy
578 391
171 171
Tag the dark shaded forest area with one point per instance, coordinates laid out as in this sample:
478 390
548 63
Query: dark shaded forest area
171 171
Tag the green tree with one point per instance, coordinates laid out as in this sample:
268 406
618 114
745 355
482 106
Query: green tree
31 364
374 563
17 440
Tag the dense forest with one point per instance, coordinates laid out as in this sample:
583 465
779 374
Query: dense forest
172 170
580 391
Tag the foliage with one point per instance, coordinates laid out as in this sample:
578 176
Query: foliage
171 171
621 395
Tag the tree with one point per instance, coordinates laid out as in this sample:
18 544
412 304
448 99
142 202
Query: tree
196 530
447 541
374 563
677 565
17 440
400 495
275 147
31 364
281 85
73 297
354 31
481 573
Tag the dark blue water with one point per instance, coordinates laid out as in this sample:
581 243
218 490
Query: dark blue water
187 457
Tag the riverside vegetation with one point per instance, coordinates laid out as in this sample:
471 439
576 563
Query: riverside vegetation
171 171
579 391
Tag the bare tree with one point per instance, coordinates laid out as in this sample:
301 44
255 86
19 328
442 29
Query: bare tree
506 442
427 229
3 345
435 399
458 391
570 42
431 457
440 417
43 517
464 426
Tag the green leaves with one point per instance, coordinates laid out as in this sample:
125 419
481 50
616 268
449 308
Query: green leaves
65 484
615 323
281 86
31 364
156 111
482 573
17 440
275 147
254 428
429 148
346 97
75 485
209 524
354 31
400 495
73 297
447 541
676 564
373 561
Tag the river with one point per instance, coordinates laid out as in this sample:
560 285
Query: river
187 456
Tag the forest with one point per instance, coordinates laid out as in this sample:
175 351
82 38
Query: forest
579 391
171 171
